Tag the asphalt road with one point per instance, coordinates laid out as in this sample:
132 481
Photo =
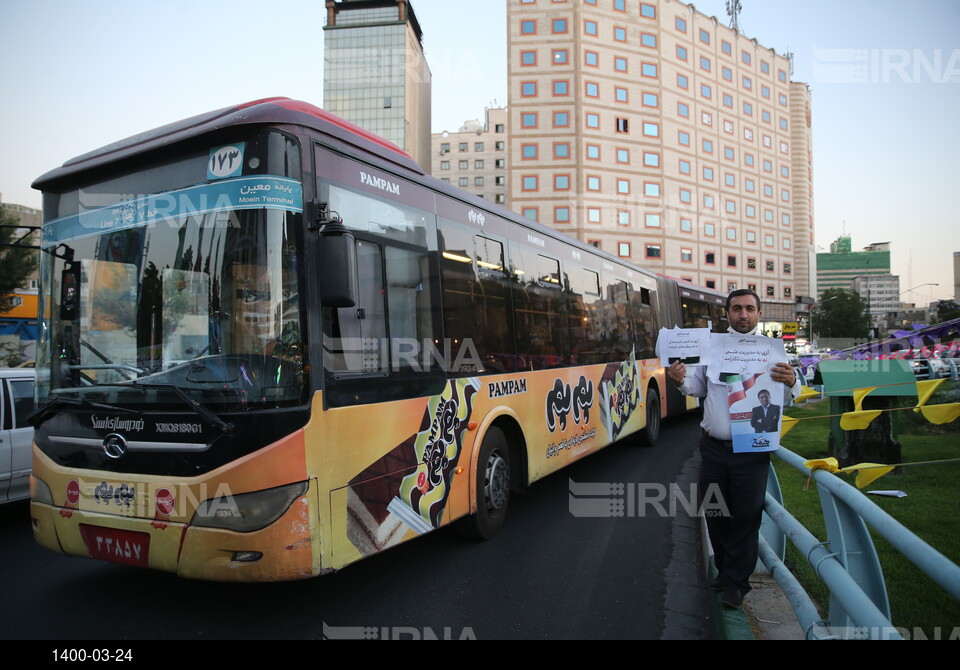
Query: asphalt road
560 569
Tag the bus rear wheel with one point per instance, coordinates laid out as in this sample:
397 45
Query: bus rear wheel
650 434
492 486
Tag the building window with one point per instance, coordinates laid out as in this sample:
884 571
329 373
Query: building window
623 249
653 251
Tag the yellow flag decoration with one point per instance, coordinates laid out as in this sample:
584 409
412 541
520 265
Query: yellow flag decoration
786 423
859 395
925 389
858 420
941 413
866 473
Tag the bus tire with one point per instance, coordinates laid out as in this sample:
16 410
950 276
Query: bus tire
492 486
651 434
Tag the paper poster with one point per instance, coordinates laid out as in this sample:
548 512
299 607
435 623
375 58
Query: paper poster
755 411
690 346
748 354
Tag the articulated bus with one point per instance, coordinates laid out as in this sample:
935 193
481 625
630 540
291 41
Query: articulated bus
271 346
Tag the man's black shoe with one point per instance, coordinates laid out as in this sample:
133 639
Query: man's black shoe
732 598
717 585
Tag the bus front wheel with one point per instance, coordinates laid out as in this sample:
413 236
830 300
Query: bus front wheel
492 487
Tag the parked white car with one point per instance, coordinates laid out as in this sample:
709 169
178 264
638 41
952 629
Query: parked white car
16 435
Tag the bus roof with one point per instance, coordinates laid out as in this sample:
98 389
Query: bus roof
266 110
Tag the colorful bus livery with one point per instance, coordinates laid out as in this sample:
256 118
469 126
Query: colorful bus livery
291 349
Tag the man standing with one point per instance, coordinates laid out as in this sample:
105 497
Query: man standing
765 418
740 478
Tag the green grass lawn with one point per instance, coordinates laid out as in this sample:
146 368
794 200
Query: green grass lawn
930 510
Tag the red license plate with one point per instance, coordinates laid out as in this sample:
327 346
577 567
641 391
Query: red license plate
113 544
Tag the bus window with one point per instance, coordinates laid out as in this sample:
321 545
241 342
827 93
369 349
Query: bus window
620 320
585 314
476 300
540 313
646 327
391 333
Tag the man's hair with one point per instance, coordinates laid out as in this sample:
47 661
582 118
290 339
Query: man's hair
740 292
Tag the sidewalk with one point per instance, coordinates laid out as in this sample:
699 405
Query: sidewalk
766 613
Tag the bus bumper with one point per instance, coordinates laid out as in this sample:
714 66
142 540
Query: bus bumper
282 551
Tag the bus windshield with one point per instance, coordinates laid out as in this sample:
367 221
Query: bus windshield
207 303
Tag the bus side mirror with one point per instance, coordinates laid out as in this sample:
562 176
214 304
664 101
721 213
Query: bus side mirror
70 292
338 266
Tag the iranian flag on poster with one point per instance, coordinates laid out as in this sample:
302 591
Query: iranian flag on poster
755 411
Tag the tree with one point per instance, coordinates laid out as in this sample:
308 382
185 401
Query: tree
17 263
947 310
841 313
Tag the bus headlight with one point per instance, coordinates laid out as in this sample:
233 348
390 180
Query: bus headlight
247 512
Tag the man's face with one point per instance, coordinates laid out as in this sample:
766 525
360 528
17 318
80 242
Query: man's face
764 399
743 314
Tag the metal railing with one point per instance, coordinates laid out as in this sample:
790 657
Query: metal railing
847 562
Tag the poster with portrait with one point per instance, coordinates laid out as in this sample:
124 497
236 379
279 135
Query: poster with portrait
755 400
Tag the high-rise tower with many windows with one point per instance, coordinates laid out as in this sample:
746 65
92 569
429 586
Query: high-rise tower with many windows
659 134
375 73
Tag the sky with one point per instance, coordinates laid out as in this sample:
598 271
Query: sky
884 74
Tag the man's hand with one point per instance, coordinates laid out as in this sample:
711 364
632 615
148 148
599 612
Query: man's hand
783 373
677 373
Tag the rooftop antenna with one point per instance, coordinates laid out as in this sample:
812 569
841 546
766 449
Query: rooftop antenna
733 11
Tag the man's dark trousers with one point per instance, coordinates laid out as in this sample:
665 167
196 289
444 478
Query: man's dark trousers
739 481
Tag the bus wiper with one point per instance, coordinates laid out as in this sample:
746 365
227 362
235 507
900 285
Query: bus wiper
225 427
52 408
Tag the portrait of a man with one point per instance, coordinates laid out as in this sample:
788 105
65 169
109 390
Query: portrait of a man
765 417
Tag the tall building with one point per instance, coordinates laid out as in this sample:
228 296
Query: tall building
475 158
658 134
842 265
880 292
375 74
